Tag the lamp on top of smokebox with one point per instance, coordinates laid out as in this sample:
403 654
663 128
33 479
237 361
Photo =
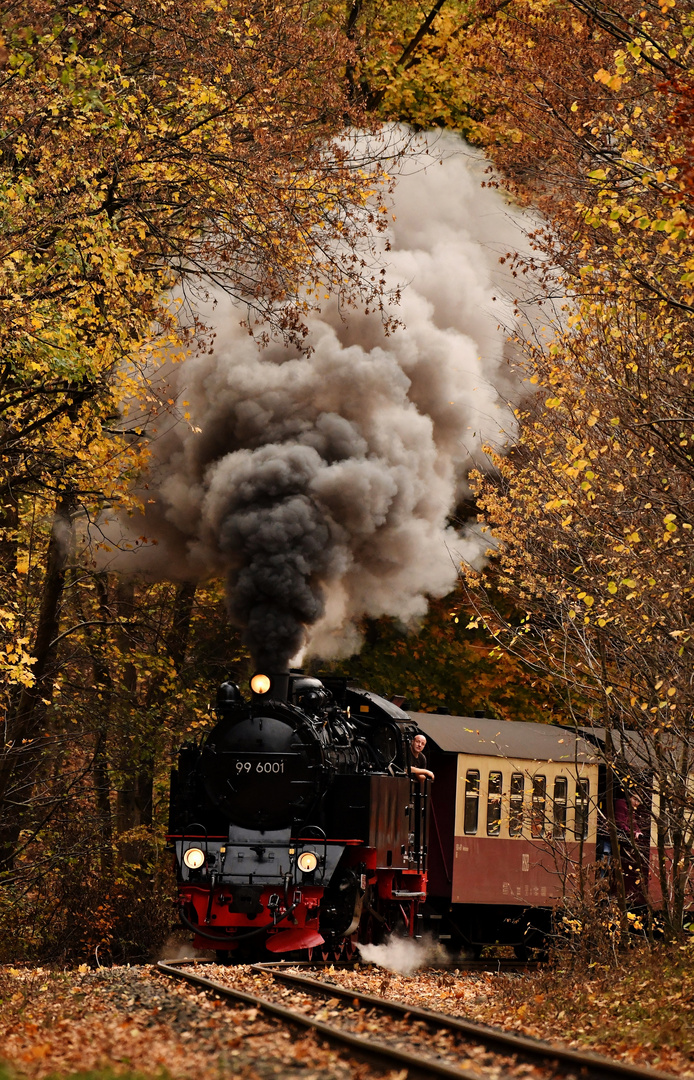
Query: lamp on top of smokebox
260 684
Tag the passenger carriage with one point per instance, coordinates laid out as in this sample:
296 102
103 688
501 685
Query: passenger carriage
513 818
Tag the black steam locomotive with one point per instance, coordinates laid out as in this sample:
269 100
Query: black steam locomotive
296 824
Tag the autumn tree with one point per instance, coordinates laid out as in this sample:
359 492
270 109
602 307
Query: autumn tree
135 680
585 110
147 155
444 665
592 505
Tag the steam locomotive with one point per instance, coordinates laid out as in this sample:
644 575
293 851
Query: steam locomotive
296 823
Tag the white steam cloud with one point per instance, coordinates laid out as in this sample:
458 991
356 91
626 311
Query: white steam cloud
404 955
322 486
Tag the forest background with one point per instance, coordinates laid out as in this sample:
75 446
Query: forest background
122 139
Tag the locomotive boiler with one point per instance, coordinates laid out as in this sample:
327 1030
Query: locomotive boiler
296 823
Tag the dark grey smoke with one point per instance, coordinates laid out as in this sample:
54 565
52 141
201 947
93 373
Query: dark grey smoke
283 539
322 486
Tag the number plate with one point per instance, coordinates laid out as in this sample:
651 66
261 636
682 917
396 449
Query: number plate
262 768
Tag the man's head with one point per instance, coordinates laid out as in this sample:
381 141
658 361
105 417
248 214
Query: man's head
418 743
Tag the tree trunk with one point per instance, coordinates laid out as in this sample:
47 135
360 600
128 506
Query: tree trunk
616 860
100 765
22 747
127 814
617 871
9 520
176 642
135 798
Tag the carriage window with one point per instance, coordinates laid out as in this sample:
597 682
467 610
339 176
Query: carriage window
561 790
515 817
494 803
537 820
472 800
664 820
581 809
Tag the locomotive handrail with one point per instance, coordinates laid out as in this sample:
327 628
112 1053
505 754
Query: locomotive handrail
420 793
197 825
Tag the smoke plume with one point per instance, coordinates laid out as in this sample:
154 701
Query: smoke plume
322 485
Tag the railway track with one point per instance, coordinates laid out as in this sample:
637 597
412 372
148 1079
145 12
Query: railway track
425 1043
494 964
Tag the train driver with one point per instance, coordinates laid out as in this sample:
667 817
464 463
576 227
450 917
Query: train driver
418 761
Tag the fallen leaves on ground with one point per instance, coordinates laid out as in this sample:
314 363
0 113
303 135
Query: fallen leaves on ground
129 1020
408 1034
639 1010
133 1020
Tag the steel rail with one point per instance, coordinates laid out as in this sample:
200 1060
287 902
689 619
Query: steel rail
367 1049
492 964
594 1065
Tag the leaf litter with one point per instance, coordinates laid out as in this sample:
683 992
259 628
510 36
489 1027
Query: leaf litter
131 1019
640 1011
406 1033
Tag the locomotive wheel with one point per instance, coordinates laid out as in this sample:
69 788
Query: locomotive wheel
368 930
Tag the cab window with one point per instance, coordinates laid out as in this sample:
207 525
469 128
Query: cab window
384 740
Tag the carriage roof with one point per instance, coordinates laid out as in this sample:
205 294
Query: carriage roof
516 739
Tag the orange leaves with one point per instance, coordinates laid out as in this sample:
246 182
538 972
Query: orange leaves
38 1052
613 81
132 174
589 506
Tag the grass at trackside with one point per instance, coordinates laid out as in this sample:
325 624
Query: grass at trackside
642 1007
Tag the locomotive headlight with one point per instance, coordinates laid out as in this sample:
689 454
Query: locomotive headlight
260 684
194 858
307 862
